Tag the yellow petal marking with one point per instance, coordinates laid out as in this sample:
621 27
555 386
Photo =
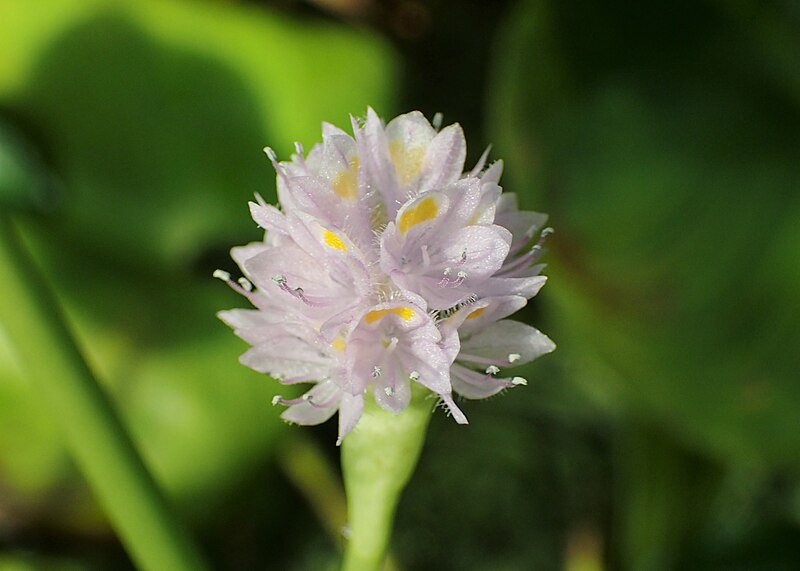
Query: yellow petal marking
424 210
345 185
333 240
338 344
407 162
405 313
477 313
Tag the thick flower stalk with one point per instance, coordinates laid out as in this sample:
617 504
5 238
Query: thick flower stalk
387 272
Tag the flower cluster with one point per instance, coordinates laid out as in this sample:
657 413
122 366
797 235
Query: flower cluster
387 265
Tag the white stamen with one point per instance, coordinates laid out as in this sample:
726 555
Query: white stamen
271 154
392 345
447 282
276 399
222 275
519 381
298 148
279 279
481 162
414 376
245 283
389 391
538 248
306 397
492 370
376 372
514 357
437 120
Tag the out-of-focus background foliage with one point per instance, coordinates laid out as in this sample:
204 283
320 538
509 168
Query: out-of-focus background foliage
662 137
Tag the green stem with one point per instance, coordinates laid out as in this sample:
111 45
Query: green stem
91 427
378 458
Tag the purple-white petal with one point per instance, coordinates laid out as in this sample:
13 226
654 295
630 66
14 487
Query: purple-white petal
351 408
320 403
506 343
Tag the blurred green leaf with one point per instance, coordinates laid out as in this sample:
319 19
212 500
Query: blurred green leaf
24 180
665 496
154 115
28 562
666 152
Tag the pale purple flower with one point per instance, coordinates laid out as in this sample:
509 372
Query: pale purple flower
387 265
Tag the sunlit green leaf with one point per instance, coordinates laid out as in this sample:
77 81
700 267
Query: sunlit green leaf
154 115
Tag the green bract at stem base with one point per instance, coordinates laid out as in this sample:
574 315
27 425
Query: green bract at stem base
92 429
378 459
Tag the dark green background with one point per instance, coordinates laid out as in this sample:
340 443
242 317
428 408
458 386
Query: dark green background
664 140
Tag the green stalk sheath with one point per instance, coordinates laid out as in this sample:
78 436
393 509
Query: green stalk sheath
90 425
378 458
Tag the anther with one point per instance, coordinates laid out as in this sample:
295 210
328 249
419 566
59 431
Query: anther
514 357
437 120
460 277
271 154
389 391
245 283
376 372
492 370
445 281
297 292
517 381
276 399
222 275
300 294
414 376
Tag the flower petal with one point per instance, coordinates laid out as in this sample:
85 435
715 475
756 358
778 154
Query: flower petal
444 159
505 343
393 390
351 408
473 385
309 412
373 148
